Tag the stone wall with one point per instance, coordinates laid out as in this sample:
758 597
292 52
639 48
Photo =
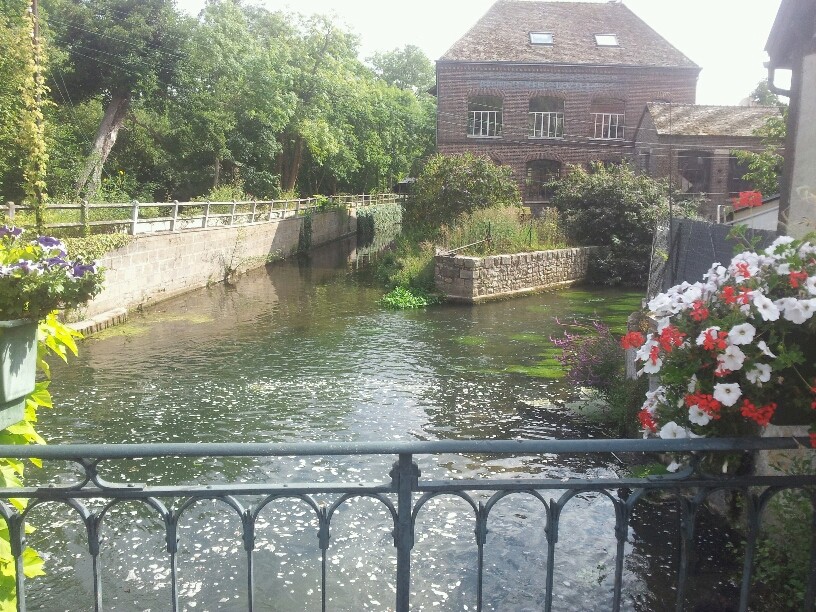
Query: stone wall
160 266
476 279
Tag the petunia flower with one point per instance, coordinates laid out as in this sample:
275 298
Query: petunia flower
672 431
727 393
742 334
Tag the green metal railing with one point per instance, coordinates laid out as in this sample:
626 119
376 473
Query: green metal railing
403 494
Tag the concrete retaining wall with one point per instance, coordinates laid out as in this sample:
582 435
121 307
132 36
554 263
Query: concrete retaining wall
476 279
160 266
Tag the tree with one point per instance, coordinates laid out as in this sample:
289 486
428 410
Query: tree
407 68
450 185
763 96
116 51
614 208
765 167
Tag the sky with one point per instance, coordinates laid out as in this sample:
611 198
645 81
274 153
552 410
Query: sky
724 37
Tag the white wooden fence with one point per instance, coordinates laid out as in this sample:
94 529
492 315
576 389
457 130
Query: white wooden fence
148 218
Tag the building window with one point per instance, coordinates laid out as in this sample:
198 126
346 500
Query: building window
606 40
541 38
546 118
607 119
736 170
694 171
485 117
540 173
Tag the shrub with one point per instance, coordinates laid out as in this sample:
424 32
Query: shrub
450 185
617 209
379 219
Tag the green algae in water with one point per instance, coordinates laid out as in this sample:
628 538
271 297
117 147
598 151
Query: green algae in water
539 370
471 340
530 338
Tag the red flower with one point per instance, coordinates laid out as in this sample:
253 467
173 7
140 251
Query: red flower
647 420
745 296
670 337
813 440
715 340
699 312
729 295
633 340
654 354
705 402
747 199
743 269
797 278
762 416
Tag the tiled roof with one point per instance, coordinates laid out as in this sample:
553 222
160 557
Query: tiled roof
503 35
699 120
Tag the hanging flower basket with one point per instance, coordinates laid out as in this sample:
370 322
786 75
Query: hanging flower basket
18 368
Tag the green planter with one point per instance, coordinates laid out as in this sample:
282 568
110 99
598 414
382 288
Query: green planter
18 368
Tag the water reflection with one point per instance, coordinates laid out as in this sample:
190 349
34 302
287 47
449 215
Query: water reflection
300 351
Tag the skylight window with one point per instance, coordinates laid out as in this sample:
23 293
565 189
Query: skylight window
541 38
606 40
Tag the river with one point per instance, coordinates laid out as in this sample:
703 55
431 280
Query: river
300 351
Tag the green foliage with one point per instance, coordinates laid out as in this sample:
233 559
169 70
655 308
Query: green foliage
14 55
783 550
450 185
376 220
91 248
402 298
614 208
54 339
765 167
407 68
409 264
305 236
507 229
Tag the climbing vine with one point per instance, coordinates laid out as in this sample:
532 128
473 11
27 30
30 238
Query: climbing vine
54 338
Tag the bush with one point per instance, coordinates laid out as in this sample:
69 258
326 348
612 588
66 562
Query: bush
450 185
614 208
377 220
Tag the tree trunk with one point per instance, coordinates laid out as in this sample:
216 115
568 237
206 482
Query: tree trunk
217 179
292 168
91 177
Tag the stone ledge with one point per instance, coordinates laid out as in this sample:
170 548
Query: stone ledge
101 321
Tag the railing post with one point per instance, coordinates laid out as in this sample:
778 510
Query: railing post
83 217
404 478
134 217
297 207
10 212
174 220
232 213
206 213
16 530
254 210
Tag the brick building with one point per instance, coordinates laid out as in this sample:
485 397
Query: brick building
538 85
694 144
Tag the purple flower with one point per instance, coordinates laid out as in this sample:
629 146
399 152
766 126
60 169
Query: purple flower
5 230
26 266
57 261
50 243
80 269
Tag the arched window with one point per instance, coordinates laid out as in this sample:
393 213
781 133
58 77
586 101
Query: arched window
485 117
607 119
546 117
540 172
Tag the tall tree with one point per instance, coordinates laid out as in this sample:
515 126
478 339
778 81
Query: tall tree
117 51
406 68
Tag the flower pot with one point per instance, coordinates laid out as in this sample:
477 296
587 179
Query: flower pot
18 368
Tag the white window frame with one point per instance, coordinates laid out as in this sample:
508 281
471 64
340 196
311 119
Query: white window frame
607 40
546 124
609 126
548 38
489 124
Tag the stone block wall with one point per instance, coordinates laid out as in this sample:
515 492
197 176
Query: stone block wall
159 266
476 279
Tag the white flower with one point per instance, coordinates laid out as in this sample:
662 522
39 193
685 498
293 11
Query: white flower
673 467
810 284
742 334
661 305
795 311
672 431
698 416
731 358
780 241
692 384
766 308
783 269
763 346
760 373
727 393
